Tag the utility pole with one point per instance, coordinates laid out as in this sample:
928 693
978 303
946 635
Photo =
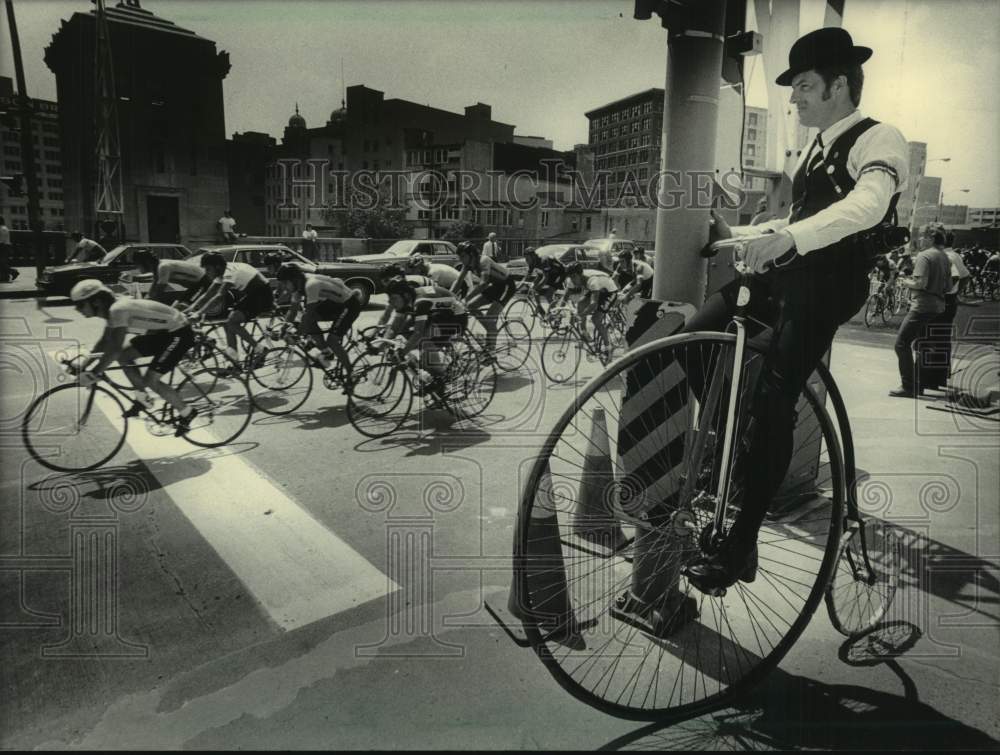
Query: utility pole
695 39
109 205
25 110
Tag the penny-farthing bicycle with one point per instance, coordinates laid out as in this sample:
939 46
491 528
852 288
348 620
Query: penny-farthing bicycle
641 474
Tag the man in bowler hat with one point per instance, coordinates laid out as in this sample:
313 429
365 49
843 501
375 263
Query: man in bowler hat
809 276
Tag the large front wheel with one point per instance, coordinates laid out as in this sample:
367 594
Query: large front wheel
561 354
379 400
620 499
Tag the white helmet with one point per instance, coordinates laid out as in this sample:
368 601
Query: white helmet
86 288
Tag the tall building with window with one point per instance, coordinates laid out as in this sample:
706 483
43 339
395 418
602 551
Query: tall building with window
171 123
625 138
48 160
984 216
927 206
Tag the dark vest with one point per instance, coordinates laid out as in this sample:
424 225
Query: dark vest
829 183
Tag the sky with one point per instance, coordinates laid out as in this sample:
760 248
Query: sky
541 65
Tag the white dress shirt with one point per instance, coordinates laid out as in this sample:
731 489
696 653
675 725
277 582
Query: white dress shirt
867 203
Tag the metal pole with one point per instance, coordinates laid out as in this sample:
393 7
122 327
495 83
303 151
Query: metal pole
690 115
25 110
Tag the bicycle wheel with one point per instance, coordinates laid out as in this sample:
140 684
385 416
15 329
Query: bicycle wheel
470 384
872 309
867 576
561 352
886 311
283 380
611 511
380 399
224 407
513 345
74 429
522 307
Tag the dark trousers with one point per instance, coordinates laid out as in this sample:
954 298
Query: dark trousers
5 268
935 357
913 336
803 308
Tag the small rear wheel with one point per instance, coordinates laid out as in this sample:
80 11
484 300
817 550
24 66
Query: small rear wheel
867 576
283 380
561 353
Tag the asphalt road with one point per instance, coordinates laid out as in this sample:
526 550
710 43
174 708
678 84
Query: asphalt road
308 587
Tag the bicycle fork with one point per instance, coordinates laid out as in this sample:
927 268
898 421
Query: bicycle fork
722 491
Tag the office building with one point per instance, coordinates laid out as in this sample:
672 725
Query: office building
48 161
171 124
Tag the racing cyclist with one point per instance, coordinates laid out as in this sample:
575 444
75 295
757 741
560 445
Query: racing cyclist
188 275
321 299
597 290
494 290
161 332
641 282
434 317
252 293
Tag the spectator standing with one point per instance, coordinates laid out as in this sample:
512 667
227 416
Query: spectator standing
309 247
86 250
227 226
931 280
8 273
490 248
936 364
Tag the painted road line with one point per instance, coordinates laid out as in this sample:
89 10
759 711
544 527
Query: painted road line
298 569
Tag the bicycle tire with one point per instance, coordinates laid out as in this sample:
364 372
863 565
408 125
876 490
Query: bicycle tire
513 346
596 628
285 380
216 396
522 307
380 399
886 312
865 581
561 355
871 309
36 439
470 386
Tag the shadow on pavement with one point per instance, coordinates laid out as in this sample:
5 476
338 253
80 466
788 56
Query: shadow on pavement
792 712
313 419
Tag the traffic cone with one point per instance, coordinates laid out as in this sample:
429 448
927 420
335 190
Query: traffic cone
548 593
594 518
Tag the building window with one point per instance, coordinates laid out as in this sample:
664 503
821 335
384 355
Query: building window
575 223
545 219
750 162
614 117
751 150
752 134
752 119
648 107
587 223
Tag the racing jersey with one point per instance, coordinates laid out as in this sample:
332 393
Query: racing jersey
492 271
432 302
593 282
324 288
240 275
442 275
144 315
419 280
554 272
179 272
642 270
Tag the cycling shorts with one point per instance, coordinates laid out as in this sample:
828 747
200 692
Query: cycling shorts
256 299
166 347
341 315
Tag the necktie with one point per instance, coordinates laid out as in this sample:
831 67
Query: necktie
817 157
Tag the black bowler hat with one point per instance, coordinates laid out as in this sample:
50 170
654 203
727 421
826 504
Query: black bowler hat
823 47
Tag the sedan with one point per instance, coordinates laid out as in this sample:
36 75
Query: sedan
361 271
565 253
59 280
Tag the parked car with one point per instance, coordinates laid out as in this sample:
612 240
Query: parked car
362 271
610 245
58 280
254 254
565 253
